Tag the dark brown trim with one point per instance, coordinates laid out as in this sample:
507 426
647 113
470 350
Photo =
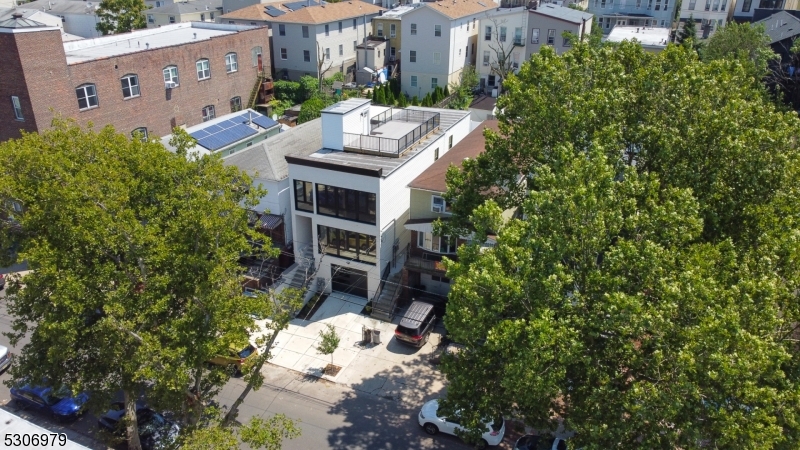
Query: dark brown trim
376 173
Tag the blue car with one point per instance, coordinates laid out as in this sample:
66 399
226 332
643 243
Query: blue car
59 403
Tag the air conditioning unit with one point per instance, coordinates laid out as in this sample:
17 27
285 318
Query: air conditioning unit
438 208
170 84
485 63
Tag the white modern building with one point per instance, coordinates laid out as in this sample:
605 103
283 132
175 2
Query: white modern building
439 40
351 198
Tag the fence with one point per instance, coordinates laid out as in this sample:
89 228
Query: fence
394 147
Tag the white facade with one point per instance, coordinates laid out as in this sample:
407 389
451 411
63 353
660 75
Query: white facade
515 22
78 17
709 15
392 196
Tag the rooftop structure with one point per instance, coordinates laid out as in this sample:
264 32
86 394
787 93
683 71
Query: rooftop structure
563 13
62 6
397 13
230 132
187 7
149 39
653 39
461 8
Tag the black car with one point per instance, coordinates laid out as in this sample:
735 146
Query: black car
155 430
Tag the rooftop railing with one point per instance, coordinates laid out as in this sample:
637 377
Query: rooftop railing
393 147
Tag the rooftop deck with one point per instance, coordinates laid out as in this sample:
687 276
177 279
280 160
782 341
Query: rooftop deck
393 132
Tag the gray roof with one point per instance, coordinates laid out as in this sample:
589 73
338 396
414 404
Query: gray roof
780 26
267 159
563 13
188 7
10 18
56 7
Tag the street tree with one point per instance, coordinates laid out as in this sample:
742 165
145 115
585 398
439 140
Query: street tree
135 282
121 16
744 41
646 296
329 341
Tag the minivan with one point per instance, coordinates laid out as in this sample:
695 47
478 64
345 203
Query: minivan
416 324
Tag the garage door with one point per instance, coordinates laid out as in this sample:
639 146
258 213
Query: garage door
349 281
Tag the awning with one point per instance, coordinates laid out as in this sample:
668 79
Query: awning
422 227
269 221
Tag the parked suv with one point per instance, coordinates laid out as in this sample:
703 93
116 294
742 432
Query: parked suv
416 324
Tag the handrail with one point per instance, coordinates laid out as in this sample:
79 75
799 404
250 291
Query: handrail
395 146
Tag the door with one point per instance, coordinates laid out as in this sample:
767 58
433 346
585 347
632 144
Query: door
349 281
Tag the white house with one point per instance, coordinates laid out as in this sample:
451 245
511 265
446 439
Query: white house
177 12
330 32
709 15
439 39
351 198
548 23
501 43
78 17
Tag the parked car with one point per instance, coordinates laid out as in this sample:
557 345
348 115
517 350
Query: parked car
416 325
430 421
531 442
155 430
5 358
235 357
60 403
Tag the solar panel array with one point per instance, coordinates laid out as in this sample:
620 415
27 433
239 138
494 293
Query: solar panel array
273 11
297 5
263 121
227 132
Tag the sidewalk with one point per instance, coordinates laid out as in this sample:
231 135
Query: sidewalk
389 369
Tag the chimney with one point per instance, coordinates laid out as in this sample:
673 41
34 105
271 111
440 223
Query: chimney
16 16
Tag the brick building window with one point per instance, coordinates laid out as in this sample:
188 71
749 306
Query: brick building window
140 133
17 108
171 76
203 70
231 63
236 104
130 86
255 52
87 96
208 113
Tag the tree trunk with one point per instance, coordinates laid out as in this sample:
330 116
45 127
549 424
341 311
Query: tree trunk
229 418
132 425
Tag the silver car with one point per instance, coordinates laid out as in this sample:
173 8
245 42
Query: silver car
5 358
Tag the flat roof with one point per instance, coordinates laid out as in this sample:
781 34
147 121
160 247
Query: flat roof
647 36
147 39
396 13
387 165
346 106
563 13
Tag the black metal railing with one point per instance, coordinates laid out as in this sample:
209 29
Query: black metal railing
394 147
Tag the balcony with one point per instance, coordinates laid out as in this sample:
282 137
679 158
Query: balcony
393 132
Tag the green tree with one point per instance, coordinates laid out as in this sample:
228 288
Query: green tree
689 31
309 87
596 34
468 81
329 341
144 288
312 108
375 96
121 16
646 297
742 41
381 95
290 91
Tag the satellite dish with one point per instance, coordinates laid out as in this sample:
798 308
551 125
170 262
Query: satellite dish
275 117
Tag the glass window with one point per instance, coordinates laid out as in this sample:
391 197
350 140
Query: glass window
281 30
203 70
231 62
413 29
306 56
551 37
341 49
150 19
171 19
486 57
340 27
438 244
346 203
347 244
327 30
305 31
380 30
130 86
412 55
436 154
87 96
434 82
236 104
208 113
327 53
450 142
255 52
140 133
303 196
413 81
17 108
284 53
502 34
171 75
354 24
437 57
437 30
518 36
534 36
392 30
487 35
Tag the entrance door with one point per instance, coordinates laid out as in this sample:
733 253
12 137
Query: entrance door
349 281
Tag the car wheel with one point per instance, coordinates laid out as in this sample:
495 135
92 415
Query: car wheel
482 444
431 428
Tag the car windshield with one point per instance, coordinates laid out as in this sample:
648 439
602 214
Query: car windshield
497 424
246 352
152 423
54 396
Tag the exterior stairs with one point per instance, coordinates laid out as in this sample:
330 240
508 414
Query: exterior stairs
385 300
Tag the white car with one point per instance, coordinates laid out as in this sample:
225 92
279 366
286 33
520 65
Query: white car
5 358
432 424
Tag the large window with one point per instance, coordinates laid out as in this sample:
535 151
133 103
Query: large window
231 63
17 108
380 30
413 29
346 203
487 35
438 244
439 205
130 86
303 196
503 33
87 96
203 69
534 35
171 76
208 113
347 244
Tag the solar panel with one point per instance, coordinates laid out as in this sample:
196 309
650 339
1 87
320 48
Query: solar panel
297 5
199 134
224 133
264 121
273 11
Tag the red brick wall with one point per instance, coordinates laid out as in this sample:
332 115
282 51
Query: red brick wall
156 108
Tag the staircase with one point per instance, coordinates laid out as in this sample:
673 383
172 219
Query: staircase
384 302
305 263
251 103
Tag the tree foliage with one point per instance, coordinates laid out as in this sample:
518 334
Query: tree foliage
312 108
689 30
647 296
462 91
121 16
746 42
329 341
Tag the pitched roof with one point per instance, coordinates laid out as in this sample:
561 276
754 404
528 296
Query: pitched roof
563 13
455 9
187 7
252 12
328 12
432 179
268 157
61 6
780 26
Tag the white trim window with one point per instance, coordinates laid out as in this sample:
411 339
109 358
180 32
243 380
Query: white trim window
380 30
208 113
171 75
439 205
437 30
130 86
203 70
392 30
434 82
17 108
437 58
284 54
87 96
412 56
413 81
231 63
413 29
437 244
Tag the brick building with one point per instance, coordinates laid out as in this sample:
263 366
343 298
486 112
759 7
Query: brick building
149 80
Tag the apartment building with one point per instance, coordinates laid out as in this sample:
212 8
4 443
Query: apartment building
439 39
388 27
501 45
147 81
319 37
351 198
635 13
78 17
548 23
193 11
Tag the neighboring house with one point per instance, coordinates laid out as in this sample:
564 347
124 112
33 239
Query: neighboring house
372 57
194 11
501 45
548 23
78 17
635 13
249 15
745 10
147 81
387 26
328 33
709 15
783 27
652 39
351 198
439 40
37 16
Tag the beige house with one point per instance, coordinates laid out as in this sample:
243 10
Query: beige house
387 27
250 15
194 11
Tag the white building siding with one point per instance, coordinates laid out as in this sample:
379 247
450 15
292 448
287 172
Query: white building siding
511 19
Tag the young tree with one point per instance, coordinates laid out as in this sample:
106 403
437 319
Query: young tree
312 108
324 63
647 296
121 16
688 32
468 81
135 282
329 341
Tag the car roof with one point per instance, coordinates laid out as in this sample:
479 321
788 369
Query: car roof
416 314
36 390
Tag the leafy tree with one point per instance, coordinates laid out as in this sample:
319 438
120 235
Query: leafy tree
144 288
463 89
596 34
743 41
688 32
121 16
311 108
309 87
329 341
647 297
290 91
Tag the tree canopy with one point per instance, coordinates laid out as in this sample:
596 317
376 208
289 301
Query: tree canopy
121 16
646 292
743 41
